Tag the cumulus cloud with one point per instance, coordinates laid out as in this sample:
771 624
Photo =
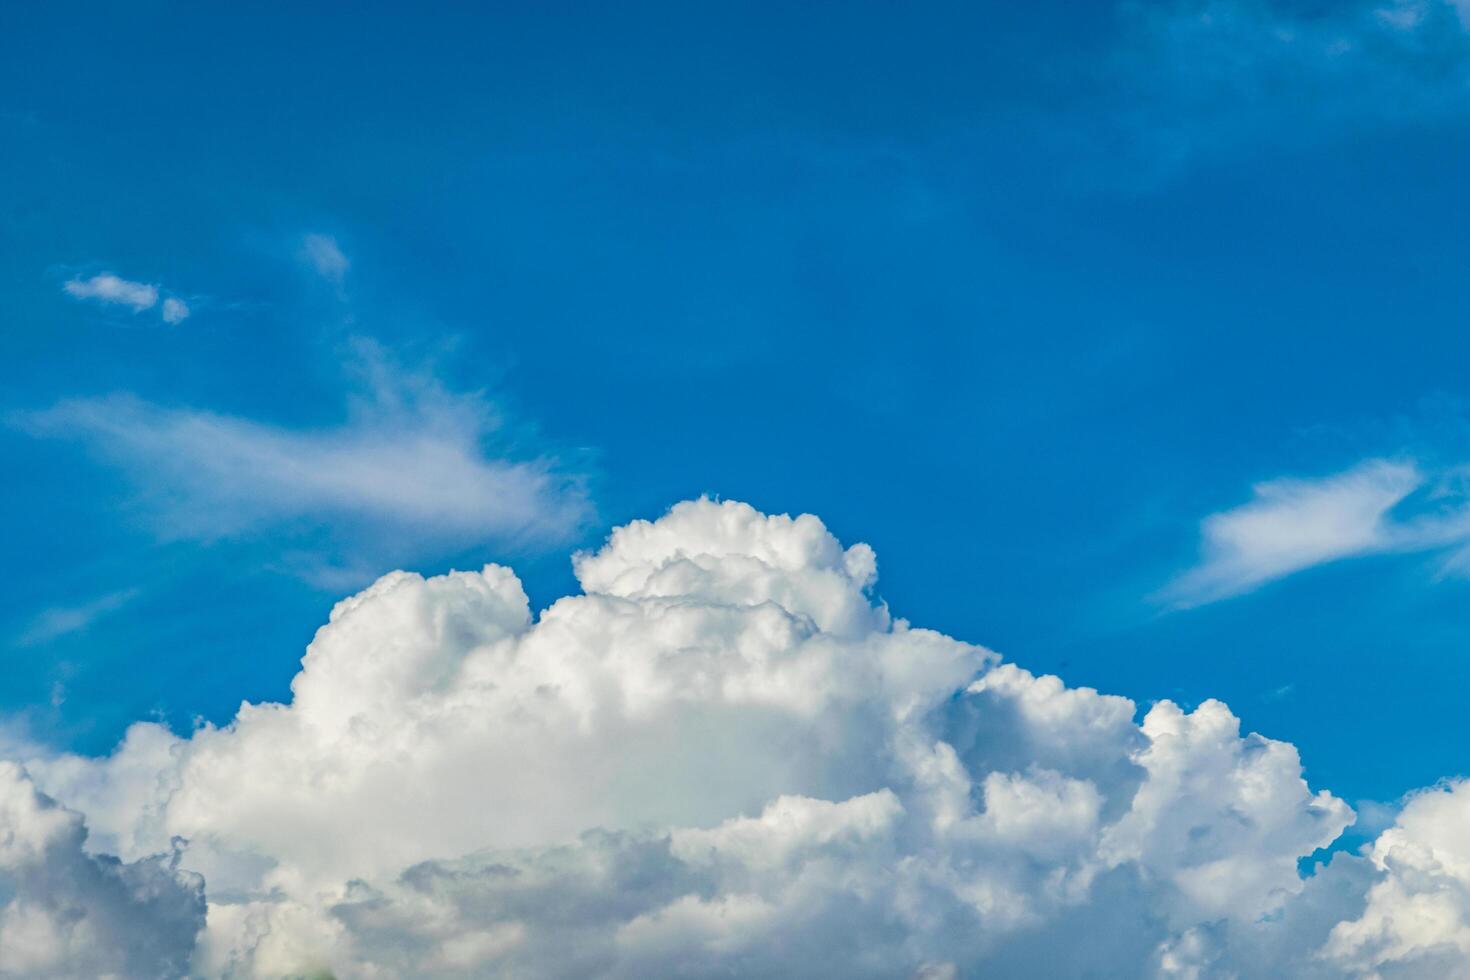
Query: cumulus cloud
113 290
725 757
1417 918
67 913
413 462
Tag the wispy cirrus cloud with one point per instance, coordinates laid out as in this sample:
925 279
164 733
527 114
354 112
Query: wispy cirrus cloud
58 621
413 464
1293 524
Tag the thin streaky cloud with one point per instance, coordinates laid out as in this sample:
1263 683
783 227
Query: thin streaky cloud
58 621
1294 524
411 460
114 290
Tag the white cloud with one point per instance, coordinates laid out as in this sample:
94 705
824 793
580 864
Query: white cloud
65 913
1295 524
412 462
113 290
725 758
175 310
1417 919
325 256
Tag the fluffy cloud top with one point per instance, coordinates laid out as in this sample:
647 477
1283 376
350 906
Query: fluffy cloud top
1419 912
722 758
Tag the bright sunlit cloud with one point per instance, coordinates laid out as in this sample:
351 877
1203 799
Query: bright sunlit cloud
723 752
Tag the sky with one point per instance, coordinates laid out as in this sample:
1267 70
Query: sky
1130 336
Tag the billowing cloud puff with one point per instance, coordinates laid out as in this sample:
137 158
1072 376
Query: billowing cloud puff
1417 919
726 758
67 913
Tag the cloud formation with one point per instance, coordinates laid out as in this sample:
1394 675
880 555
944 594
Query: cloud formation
413 461
725 757
175 310
108 289
1293 524
1417 918
113 290
67 913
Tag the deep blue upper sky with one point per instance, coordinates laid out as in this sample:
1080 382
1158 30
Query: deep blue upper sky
1017 293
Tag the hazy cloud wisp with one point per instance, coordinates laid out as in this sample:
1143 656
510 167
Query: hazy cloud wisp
326 257
1295 524
412 461
60 621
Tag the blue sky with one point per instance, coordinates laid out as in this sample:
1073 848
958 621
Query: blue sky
1019 294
